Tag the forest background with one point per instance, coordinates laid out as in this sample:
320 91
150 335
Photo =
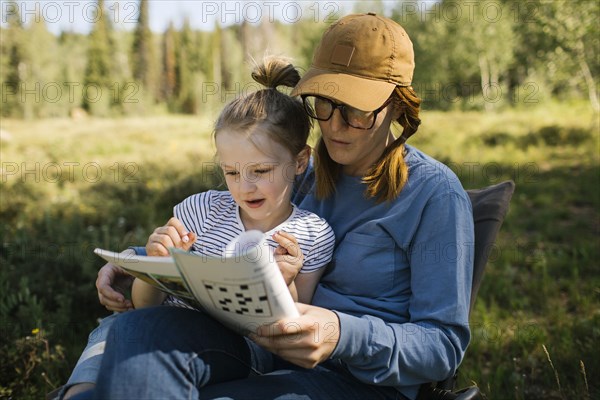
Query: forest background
103 132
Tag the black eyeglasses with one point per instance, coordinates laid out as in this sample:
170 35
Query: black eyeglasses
322 109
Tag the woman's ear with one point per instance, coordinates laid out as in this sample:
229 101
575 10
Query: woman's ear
302 160
396 109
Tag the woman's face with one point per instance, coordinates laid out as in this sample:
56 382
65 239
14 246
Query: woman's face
357 149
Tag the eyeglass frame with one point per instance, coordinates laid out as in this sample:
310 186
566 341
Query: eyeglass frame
342 107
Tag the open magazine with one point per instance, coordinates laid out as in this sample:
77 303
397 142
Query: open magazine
243 288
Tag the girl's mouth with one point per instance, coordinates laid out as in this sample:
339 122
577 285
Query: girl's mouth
255 203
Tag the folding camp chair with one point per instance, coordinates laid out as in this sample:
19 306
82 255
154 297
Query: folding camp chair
490 206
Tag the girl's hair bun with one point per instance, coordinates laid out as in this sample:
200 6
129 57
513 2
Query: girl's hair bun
275 71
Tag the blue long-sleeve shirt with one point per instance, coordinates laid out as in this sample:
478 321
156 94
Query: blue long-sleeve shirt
400 278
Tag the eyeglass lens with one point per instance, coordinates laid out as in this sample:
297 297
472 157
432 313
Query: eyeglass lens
323 108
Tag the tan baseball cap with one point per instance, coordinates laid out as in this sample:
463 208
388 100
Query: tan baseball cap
359 62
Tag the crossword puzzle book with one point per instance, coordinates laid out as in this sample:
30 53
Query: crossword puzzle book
243 288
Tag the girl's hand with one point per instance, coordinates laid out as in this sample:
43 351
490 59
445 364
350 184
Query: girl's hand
288 256
305 341
173 234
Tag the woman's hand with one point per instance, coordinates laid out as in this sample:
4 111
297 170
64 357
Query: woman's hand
305 341
288 256
173 234
112 284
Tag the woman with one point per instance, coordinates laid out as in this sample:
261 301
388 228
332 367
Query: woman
390 313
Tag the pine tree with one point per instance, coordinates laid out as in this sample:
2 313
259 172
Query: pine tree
216 53
185 86
98 68
169 77
43 72
13 63
144 68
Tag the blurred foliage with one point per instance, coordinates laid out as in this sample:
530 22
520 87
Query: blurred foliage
469 55
31 366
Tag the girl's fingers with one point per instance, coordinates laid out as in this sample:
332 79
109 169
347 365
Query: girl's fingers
288 244
157 249
181 237
173 234
187 244
178 225
168 236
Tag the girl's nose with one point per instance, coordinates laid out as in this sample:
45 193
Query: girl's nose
248 184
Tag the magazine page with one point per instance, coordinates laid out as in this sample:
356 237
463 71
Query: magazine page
244 288
159 272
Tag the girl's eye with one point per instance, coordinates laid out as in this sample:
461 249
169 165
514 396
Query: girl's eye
262 171
231 173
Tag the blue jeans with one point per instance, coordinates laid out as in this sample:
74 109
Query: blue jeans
88 365
175 353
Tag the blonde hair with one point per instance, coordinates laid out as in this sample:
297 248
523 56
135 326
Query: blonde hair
275 113
386 178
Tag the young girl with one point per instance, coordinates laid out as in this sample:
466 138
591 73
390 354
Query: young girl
261 147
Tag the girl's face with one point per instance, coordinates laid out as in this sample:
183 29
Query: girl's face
259 173
357 149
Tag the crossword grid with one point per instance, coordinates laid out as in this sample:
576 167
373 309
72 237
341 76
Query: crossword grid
250 299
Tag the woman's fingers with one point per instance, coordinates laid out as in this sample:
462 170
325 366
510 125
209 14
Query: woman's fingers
107 281
113 305
306 340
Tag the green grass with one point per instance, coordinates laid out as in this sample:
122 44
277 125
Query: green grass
69 186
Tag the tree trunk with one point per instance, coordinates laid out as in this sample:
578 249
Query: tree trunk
589 79
485 80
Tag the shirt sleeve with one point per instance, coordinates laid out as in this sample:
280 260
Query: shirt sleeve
430 346
193 211
321 250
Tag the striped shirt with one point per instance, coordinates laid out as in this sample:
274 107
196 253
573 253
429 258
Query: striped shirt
215 219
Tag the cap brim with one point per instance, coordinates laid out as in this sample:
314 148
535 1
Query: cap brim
362 93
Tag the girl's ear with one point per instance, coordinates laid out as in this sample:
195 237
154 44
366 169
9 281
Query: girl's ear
302 160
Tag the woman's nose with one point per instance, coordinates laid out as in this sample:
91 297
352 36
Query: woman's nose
337 121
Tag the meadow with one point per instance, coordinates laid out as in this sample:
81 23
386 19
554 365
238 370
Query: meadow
69 186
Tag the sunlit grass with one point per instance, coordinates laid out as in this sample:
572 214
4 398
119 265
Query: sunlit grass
152 139
542 284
